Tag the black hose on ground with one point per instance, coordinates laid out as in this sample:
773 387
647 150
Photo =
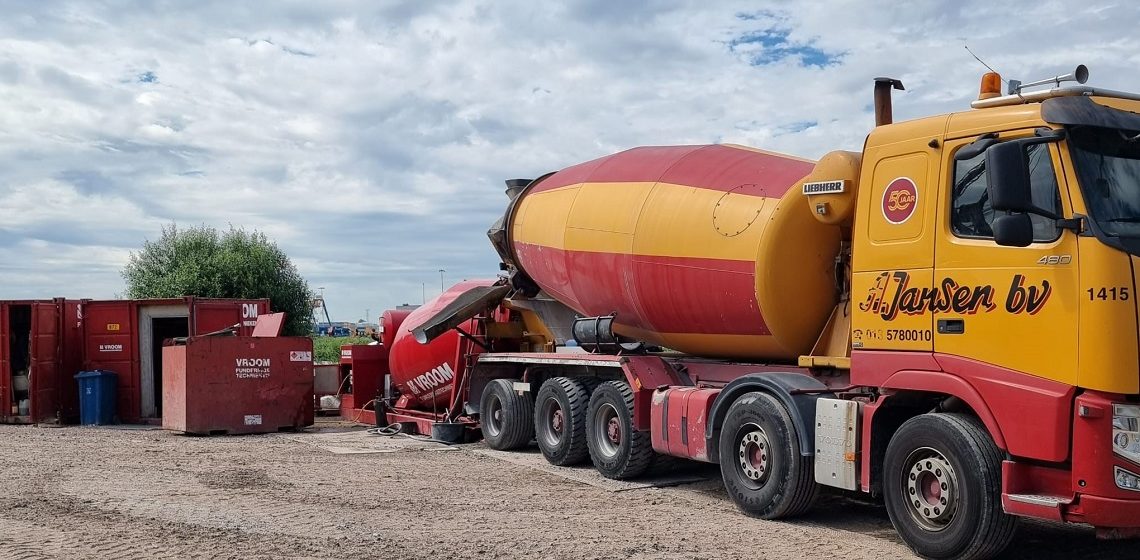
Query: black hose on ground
397 430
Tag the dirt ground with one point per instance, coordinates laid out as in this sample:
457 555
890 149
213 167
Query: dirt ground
337 492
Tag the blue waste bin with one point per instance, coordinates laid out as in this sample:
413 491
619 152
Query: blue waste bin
97 399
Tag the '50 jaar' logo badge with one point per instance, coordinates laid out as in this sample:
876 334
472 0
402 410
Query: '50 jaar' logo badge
899 200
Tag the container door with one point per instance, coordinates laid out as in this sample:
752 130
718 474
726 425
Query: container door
1011 307
6 402
110 343
71 361
45 363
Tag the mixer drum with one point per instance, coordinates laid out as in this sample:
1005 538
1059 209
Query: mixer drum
427 372
703 249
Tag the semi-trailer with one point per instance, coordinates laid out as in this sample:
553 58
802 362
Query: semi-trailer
946 320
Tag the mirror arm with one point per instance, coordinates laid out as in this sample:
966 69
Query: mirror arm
973 149
983 142
1076 224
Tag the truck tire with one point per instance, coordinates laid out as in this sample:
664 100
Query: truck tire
617 450
560 420
942 488
507 417
760 460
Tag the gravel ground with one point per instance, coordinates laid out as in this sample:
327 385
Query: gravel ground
328 493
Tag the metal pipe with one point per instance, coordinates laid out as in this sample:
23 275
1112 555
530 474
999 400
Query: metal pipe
883 110
1080 75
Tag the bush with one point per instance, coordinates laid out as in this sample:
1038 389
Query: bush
202 262
327 348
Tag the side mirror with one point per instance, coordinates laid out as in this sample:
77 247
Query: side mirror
1013 230
1007 177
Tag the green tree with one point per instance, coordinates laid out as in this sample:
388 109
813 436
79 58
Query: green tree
201 261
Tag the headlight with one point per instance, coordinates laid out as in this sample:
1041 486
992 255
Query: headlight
1126 431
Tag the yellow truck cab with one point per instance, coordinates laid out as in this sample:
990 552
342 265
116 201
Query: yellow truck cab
994 257
1049 275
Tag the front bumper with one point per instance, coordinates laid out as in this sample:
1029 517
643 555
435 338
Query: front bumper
1085 489
1099 511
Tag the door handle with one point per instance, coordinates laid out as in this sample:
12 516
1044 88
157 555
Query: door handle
951 326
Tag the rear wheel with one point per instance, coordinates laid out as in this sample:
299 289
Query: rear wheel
560 420
617 450
507 418
760 460
942 484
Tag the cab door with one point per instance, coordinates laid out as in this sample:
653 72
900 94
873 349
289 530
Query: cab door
893 241
1012 307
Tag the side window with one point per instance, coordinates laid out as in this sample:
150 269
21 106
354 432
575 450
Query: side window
971 214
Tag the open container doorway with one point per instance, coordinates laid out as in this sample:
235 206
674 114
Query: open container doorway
157 323
19 362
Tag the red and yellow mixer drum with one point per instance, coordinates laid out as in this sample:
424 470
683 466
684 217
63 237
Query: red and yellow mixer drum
703 249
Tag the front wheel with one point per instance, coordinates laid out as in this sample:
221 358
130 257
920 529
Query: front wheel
760 460
942 485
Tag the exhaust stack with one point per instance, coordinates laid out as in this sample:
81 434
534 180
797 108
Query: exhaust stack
883 112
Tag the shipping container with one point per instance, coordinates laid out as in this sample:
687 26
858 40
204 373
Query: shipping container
127 337
40 350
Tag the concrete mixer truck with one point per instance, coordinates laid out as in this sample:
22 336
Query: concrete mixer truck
947 319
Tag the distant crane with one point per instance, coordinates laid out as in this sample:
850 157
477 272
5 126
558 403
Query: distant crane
326 328
319 303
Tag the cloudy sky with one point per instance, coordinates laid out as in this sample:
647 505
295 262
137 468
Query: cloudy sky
371 139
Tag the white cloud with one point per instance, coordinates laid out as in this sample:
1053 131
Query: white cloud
371 139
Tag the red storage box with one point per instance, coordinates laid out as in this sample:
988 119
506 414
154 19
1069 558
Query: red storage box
238 385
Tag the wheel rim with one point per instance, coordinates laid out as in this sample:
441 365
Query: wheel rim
930 487
553 424
608 430
753 454
494 421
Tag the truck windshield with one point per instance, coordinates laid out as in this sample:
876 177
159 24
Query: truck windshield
1108 165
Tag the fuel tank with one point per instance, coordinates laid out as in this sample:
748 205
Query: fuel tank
708 250
427 373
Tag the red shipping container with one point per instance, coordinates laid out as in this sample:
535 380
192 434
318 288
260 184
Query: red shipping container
44 343
126 337
40 352
238 385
